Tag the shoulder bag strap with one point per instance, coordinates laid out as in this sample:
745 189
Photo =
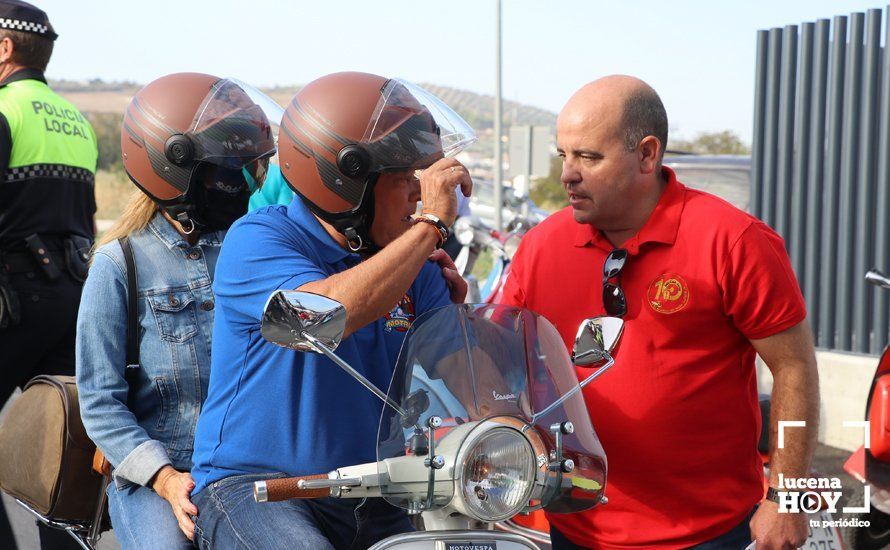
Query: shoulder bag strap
132 368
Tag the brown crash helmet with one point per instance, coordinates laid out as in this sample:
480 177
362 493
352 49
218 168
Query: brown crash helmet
182 121
340 132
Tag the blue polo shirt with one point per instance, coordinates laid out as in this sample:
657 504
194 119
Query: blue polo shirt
271 409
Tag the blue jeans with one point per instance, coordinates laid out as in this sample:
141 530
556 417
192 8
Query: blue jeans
738 538
143 520
228 517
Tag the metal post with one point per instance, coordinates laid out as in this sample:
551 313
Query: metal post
865 184
785 142
96 527
828 281
528 171
770 145
815 200
849 172
803 120
755 203
882 226
498 158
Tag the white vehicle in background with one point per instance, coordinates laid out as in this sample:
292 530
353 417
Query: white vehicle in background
727 176
482 204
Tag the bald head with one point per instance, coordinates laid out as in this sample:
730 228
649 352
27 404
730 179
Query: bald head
625 103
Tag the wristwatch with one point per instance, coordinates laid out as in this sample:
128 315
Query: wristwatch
772 494
434 220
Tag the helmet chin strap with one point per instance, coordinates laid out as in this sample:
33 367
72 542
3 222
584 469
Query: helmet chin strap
354 225
182 211
353 240
179 209
191 228
356 229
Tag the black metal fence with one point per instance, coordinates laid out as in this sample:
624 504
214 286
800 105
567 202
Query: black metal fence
821 168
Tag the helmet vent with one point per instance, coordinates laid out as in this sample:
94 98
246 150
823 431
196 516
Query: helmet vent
178 149
353 161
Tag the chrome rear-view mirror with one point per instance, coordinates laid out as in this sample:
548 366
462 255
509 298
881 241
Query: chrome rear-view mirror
595 341
293 319
303 321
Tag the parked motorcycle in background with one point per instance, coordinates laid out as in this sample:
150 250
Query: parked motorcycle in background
484 419
872 466
516 202
480 244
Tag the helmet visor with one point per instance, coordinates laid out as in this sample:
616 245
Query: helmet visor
411 129
255 173
235 125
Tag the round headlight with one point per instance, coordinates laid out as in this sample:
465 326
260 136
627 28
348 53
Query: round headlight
498 475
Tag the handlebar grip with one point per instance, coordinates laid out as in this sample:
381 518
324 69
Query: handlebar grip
286 488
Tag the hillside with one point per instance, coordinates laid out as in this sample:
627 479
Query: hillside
97 96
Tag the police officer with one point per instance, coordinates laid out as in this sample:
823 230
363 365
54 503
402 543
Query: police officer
47 168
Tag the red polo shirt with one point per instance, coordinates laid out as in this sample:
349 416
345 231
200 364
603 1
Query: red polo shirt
677 414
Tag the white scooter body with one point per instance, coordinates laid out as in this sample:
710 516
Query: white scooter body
477 428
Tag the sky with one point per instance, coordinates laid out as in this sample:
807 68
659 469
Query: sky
699 55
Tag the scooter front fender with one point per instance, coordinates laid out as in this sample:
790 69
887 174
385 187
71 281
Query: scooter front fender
455 540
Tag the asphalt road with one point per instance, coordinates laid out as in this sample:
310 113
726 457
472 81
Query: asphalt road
26 531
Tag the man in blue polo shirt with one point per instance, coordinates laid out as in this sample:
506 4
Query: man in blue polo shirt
349 146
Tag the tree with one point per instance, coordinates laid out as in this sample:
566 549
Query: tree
712 143
108 136
549 193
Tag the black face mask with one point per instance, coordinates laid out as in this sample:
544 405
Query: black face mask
221 197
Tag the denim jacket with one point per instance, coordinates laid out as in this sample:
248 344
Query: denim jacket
175 320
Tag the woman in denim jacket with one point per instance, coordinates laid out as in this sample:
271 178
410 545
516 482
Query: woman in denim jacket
187 140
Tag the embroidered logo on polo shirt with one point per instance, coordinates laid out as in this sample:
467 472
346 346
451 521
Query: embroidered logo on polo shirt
401 316
668 293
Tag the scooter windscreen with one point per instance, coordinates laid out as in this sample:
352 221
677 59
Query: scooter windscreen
490 373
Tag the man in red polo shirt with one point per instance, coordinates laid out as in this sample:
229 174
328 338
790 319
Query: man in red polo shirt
702 287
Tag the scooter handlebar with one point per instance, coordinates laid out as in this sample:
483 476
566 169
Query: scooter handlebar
286 488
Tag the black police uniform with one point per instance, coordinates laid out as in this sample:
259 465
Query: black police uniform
47 169
47 205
